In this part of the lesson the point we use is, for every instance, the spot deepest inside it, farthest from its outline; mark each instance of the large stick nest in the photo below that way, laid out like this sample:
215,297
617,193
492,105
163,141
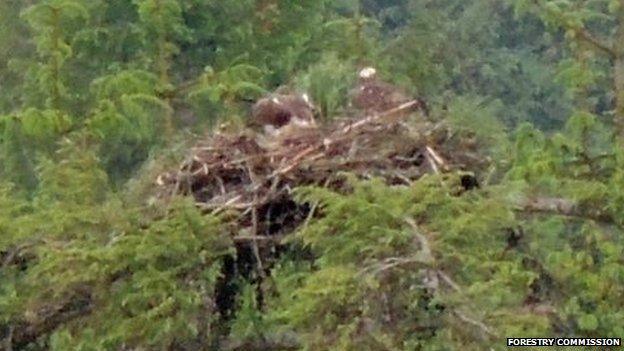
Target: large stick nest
251,177
254,175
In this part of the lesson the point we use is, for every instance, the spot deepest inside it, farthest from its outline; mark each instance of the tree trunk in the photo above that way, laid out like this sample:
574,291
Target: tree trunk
618,74
618,87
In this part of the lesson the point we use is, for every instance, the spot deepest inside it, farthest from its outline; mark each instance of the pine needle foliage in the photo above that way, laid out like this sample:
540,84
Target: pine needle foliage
94,95
136,285
380,252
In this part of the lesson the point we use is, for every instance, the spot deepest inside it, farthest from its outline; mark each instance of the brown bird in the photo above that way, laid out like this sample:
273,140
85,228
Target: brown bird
373,95
276,111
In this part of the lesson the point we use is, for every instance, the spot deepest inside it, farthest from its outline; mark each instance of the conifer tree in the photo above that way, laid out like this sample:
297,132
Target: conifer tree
596,33
53,24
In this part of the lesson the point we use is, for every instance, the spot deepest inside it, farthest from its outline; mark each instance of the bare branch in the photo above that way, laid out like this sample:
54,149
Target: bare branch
448,281
258,238
562,207
475,323
425,248
254,220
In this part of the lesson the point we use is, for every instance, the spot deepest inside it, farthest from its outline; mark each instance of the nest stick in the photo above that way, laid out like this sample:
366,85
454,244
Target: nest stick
254,241
432,163
437,158
254,222
224,206
343,132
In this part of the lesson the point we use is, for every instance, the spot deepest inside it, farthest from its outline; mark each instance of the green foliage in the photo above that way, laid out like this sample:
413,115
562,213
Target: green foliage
328,83
476,48
476,118
128,119
593,32
162,22
16,161
166,298
217,93
13,44
576,254
54,22
249,324
94,98
144,286
377,247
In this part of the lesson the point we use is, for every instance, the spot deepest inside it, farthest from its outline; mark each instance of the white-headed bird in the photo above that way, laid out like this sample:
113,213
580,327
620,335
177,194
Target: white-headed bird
373,95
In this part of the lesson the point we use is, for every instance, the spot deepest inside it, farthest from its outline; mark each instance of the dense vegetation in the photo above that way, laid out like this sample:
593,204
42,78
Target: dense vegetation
98,96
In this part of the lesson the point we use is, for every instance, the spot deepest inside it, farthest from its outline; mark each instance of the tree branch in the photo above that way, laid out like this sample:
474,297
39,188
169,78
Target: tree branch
562,207
74,307
583,34
481,326
601,45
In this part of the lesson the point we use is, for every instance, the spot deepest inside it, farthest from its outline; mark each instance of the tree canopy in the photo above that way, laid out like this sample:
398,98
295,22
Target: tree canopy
98,98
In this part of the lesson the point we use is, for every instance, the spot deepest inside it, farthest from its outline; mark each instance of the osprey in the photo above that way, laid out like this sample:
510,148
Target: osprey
373,95
280,110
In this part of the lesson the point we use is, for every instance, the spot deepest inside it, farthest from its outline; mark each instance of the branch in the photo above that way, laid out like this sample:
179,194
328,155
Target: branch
391,263
601,45
273,239
25,333
562,207
254,220
484,328
427,260
583,34
12,254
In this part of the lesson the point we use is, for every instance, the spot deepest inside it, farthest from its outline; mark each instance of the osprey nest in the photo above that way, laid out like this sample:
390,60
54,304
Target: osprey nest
253,175
249,179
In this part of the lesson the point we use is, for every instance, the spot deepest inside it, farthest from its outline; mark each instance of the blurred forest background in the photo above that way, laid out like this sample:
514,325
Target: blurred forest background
98,96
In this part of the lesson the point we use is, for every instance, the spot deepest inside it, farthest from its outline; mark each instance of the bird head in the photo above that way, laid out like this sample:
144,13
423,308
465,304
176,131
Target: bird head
367,73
